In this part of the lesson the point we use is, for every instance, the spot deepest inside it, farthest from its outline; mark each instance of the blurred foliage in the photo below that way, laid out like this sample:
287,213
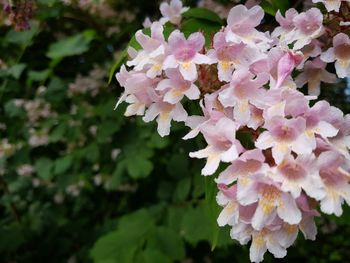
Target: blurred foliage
81,183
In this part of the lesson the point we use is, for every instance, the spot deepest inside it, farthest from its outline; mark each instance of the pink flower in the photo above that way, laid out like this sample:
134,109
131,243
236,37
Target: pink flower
166,112
222,145
285,66
340,52
286,23
229,56
313,73
242,91
139,91
283,136
308,26
301,173
153,51
172,12
241,23
185,54
175,87
336,181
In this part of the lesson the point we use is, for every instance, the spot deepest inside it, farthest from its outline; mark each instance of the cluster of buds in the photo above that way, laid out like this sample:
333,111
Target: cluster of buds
300,157
19,13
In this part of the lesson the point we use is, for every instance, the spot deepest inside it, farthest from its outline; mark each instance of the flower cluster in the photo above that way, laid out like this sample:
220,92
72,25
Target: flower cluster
300,157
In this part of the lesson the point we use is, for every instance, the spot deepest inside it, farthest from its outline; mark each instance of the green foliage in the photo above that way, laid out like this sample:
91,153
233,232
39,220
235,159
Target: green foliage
202,13
272,6
71,46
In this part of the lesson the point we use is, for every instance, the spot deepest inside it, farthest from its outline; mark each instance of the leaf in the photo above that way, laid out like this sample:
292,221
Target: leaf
212,209
272,6
43,168
139,167
207,27
58,133
23,38
138,164
153,255
12,110
196,225
38,75
120,246
121,59
182,189
16,70
158,142
168,242
63,164
71,46
202,13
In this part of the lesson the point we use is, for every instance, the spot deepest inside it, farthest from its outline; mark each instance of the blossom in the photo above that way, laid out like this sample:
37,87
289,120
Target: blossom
241,23
228,56
185,54
242,91
172,12
283,136
336,181
153,51
340,52
165,112
313,74
175,87
222,145
308,26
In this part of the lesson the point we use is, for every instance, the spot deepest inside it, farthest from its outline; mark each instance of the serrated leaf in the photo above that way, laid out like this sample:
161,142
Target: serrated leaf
203,13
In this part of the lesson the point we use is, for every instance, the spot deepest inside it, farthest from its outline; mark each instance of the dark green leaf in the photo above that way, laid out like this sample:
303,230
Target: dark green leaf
202,13
71,46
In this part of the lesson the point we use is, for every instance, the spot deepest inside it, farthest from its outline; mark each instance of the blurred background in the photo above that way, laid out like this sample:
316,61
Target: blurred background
79,182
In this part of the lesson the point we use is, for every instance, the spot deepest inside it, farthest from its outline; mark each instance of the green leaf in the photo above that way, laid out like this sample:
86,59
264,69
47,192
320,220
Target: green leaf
58,133
207,27
138,164
139,167
121,59
281,5
168,242
16,70
23,38
120,246
158,142
71,46
152,256
43,168
38,75
182,189
196,225
12,110
63,164
202,13
272,6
